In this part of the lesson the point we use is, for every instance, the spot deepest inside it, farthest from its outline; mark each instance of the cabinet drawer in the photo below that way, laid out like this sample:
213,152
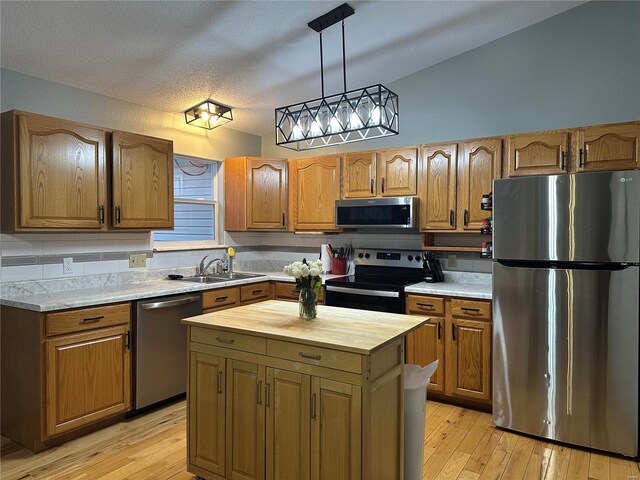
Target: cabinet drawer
220,297
322,357
419,304
235,341
470,309
87,319
285,291
254,291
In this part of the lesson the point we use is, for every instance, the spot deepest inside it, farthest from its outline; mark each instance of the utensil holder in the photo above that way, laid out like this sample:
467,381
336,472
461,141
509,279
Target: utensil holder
338,266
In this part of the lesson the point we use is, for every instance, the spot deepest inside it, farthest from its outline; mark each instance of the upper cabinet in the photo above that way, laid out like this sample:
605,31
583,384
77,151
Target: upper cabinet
54,177
386,173
255,191
480,163
142,179
545,153
315,187
53,174
610,147
438,180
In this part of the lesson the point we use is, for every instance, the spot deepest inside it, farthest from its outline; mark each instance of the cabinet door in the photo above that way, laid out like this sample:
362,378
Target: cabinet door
142,182
426,345
359,175
438,187
88,378
480,165
397,172
266,193
537,154
316,188
207,412
614,147
245,420
335,430
62,174
469,358
287,397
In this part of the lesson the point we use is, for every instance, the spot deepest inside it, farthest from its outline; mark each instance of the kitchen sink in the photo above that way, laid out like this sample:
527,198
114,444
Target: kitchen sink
206,279
236,276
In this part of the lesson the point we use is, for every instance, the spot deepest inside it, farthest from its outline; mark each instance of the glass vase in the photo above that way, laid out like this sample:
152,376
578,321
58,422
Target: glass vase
308,304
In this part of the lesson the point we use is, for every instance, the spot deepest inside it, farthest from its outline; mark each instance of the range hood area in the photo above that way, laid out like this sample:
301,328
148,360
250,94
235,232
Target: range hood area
388,213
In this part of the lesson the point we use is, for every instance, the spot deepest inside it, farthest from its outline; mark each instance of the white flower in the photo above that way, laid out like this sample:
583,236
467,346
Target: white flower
304,270
314,270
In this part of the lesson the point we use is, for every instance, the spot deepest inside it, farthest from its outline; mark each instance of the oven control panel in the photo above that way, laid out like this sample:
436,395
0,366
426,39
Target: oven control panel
388,258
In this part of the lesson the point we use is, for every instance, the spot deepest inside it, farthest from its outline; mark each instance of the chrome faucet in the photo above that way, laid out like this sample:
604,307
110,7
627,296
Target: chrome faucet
203,268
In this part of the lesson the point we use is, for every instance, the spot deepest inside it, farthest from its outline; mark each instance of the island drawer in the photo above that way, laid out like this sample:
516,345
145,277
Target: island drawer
470,309
220,297
322,357
87,319
235,341
418,304
254,291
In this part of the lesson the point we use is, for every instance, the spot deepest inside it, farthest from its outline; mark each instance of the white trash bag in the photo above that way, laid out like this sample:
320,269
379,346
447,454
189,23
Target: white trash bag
416,379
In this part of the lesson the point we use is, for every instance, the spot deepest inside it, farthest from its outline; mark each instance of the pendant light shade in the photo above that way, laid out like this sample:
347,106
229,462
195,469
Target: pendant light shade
351,116
208,114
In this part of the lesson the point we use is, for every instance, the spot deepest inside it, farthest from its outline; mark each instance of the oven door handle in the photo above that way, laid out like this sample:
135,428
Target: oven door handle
367,293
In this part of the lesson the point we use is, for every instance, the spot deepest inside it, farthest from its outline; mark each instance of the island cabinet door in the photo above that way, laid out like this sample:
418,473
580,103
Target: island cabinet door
245,420
287,404
207,412
336,442
426,345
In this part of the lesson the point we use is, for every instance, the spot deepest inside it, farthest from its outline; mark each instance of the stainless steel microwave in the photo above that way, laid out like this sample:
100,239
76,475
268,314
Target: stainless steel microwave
392,212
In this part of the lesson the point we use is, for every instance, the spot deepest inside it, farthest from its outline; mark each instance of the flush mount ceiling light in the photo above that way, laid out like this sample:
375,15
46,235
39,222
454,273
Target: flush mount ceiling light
351,116
208,114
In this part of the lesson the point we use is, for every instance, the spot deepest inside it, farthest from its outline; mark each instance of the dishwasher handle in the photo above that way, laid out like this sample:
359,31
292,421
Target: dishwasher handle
170,303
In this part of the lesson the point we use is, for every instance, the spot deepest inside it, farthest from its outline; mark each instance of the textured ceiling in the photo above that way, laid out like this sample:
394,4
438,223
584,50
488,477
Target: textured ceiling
254,56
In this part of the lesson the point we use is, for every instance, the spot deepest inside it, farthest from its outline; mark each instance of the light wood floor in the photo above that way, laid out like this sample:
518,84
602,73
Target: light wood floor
460,444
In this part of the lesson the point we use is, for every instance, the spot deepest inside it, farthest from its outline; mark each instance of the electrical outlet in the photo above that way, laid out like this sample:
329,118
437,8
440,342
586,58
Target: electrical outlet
137,260
67,265
452,261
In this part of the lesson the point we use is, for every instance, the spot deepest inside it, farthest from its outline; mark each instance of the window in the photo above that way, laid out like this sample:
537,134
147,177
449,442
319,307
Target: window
196,206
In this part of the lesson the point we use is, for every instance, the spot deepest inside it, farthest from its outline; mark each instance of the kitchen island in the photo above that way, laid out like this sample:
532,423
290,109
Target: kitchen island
272,396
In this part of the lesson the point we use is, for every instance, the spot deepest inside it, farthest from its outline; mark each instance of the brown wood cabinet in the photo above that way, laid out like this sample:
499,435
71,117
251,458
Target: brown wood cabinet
64,373
255,193
286,291
543,153
438,192
606,147
459,336
142,182
315,187
53,174
359,175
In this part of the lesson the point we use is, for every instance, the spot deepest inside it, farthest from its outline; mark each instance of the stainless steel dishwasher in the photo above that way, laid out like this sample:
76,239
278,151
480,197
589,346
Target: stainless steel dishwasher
160,347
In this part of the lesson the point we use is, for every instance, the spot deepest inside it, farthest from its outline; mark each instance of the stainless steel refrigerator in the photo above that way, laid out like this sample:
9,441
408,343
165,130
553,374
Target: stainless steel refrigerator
566,278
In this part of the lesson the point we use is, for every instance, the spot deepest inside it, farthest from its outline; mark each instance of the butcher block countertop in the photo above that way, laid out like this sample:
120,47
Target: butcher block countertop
358,331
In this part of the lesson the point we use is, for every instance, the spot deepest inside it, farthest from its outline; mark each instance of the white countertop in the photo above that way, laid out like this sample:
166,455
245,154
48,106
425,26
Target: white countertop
61,300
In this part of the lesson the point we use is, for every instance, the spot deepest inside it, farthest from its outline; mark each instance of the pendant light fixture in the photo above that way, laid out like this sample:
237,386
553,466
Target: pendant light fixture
350,116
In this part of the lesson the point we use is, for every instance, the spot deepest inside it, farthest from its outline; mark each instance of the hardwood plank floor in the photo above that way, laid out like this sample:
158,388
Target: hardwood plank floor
460,444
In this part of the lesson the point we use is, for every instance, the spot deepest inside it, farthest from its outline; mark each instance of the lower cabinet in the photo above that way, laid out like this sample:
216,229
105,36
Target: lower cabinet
459,336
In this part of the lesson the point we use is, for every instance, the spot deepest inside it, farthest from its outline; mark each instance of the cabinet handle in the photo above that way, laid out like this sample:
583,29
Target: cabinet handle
256,292
310,356
371,187
428,305
127,340
451,217
259,392
313,405
383,185
283,219
219,381
101,213
466,309
466,217
117,214
221,299
453,332
92,319
562,162
439,330
583,154
267,394
226,340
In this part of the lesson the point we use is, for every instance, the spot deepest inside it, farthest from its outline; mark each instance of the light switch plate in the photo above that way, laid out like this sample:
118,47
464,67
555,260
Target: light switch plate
137,260
67,265
452,261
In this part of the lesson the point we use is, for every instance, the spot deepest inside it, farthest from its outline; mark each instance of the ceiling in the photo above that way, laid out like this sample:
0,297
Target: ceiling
253,56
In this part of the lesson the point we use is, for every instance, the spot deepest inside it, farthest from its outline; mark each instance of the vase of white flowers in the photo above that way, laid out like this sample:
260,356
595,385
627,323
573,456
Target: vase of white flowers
308,283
